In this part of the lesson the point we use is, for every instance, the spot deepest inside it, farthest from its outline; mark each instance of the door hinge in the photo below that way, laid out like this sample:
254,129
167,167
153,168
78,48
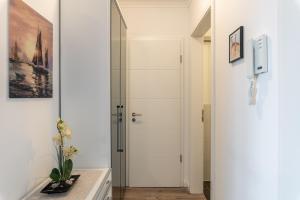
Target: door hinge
181,59
202,115
181,158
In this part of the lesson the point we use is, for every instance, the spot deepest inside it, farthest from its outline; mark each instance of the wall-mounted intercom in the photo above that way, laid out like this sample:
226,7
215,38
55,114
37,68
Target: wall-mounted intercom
260,55
260,64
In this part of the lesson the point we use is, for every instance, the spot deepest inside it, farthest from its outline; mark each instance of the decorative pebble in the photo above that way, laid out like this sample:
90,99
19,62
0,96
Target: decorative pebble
70,182
54,185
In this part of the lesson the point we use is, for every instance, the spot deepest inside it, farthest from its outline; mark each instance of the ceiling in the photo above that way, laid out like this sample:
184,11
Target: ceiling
154,2
149,1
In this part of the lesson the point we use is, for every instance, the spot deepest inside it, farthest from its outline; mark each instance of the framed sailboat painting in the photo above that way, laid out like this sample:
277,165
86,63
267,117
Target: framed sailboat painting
30,52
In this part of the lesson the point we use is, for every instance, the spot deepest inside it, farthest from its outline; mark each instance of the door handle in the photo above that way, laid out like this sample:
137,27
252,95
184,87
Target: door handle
119,148
136,115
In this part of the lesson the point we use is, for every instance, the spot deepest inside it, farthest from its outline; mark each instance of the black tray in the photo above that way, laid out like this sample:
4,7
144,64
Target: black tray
61,188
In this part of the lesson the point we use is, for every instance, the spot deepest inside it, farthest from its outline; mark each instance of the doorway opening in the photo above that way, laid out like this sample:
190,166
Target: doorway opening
201,70
206,113
167,146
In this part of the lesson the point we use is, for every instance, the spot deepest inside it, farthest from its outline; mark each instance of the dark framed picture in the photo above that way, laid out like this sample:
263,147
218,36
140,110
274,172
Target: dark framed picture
30,52
236,45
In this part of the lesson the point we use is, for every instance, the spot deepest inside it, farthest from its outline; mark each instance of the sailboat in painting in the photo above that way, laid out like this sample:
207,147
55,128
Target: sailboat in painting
37,60
38,55
14,53
46,59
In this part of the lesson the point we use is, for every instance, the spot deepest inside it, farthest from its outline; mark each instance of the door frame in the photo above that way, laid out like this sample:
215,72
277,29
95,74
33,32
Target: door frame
183,103
211,8
213,101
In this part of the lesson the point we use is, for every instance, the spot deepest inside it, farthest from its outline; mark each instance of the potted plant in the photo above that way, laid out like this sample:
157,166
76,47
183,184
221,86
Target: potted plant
61,176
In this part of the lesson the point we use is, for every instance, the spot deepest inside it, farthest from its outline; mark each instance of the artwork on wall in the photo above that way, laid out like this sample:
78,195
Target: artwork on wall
236,45
30,53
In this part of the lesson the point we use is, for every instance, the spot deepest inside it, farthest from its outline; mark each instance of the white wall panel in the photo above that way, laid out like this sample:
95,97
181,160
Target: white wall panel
86,78
247,137
27,125
289,99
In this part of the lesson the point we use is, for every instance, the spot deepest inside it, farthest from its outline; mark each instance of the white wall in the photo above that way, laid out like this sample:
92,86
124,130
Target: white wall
161,19
151,21
197,10
198,96
86,78
289,99
27,125
246,137
246,140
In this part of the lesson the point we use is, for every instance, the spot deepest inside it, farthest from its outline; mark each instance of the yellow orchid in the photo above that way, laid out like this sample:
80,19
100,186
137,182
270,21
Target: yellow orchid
69,152
63,129
60,125
67,133
64,154
57,139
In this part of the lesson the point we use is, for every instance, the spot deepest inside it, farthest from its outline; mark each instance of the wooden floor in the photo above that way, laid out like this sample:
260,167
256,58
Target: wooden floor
160,194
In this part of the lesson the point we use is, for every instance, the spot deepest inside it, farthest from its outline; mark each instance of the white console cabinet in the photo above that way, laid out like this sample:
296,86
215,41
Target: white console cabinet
92,185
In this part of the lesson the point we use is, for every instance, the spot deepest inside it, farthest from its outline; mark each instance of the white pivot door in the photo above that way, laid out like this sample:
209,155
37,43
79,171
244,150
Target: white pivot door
154,113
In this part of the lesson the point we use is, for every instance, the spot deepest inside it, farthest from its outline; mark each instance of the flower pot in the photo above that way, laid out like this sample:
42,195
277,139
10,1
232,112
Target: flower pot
61,187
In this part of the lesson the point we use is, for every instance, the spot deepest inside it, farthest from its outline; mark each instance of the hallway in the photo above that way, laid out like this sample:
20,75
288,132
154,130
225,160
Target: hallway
149,100
160,194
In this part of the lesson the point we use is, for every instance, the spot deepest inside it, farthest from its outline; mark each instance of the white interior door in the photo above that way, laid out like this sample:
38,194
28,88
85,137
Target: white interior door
155,96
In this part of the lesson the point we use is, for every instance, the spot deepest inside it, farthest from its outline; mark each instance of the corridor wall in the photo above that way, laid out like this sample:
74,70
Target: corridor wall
26,125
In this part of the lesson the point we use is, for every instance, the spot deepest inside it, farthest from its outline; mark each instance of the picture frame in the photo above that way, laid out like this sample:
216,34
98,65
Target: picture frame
236,45
30,52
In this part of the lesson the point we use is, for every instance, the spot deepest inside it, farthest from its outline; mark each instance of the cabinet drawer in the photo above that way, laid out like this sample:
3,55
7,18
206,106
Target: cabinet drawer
102,193
108,195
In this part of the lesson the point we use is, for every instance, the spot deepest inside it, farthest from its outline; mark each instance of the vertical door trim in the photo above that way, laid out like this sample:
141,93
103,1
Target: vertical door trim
182,110
213,102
